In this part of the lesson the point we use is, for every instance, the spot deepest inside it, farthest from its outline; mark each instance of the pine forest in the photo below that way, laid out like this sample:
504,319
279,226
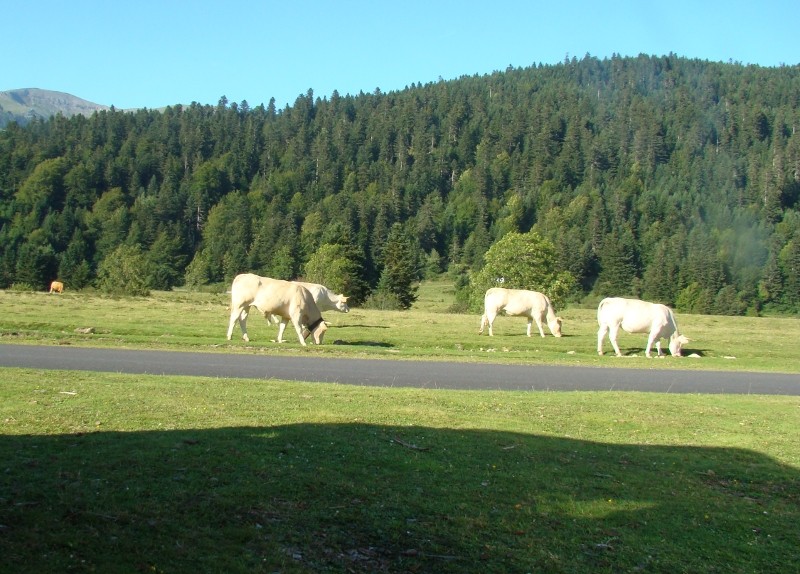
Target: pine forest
664,178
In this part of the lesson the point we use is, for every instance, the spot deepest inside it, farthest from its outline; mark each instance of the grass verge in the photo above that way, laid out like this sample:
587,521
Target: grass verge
199,321
116,473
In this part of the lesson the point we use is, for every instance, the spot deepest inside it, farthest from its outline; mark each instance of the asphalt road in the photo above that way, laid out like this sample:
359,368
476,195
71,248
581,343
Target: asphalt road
388,373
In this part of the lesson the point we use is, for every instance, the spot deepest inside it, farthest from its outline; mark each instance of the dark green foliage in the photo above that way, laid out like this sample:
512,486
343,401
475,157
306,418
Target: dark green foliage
669,178
400,270
125,271
522,261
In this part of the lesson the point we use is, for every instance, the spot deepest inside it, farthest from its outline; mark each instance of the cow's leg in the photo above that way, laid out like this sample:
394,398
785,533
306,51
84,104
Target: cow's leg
601,334
651,338
299,330
538,324
281,329
490,316
658,348
484,321
613,332
243,324
239,315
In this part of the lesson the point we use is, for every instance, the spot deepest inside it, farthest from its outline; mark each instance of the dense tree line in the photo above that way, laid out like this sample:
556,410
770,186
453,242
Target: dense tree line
672,179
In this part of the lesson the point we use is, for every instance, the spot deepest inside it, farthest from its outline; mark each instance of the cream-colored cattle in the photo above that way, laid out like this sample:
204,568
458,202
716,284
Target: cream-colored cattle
519,302
284,299
56,287
325,299
635,316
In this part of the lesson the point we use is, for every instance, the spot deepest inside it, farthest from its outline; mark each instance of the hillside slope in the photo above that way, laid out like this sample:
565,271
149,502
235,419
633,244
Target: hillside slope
27,104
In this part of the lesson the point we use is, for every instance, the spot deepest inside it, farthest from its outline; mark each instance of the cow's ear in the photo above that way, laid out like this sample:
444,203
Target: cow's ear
344,299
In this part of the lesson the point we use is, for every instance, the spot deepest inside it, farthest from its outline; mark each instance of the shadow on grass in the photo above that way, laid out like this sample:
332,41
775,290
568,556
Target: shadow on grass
639,351
382,344
367,498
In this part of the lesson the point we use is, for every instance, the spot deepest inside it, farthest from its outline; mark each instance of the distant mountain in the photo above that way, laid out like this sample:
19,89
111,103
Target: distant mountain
28,104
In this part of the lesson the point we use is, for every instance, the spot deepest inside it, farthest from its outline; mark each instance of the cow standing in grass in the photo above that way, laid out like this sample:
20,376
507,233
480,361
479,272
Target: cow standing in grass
325,299
56,287
635,316
284,299
519,302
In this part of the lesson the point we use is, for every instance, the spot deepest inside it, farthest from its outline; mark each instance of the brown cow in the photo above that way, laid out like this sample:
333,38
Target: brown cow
56,287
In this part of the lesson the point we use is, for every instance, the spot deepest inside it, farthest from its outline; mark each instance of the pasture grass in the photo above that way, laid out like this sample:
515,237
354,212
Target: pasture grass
113,473
182,320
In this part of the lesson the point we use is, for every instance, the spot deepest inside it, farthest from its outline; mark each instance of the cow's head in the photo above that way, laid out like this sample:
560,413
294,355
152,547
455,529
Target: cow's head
341,304
676,343
555,326
317,331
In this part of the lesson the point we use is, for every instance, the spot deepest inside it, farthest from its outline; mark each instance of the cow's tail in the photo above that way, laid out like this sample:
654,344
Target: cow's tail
600,310
484,322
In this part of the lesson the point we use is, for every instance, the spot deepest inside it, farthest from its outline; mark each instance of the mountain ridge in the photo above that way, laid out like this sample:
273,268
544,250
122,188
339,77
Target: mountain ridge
24,105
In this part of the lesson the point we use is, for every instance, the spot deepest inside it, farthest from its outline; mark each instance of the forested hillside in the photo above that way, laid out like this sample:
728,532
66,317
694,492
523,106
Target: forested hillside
672,179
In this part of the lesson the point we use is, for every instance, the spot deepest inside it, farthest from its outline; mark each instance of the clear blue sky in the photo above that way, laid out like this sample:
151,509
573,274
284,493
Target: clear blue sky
152,53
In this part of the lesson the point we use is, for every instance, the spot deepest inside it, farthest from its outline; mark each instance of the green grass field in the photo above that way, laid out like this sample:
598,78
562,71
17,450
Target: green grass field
112,473
199,321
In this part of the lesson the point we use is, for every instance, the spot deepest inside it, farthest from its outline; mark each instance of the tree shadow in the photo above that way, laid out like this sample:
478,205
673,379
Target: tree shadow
371,498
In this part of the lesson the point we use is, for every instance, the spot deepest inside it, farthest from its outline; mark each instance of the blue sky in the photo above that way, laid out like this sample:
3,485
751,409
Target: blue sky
152,53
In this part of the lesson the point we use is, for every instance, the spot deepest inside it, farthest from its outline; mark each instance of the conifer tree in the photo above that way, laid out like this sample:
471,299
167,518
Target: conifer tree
400,271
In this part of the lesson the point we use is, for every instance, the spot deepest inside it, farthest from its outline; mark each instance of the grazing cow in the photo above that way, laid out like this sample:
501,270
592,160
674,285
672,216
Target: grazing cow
284,299
519,302
56,287
325,299
636,316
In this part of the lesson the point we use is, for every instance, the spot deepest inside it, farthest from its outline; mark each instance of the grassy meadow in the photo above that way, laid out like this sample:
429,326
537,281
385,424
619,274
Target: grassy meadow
182,320
113,473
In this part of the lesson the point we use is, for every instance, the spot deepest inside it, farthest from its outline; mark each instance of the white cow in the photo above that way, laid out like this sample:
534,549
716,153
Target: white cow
284,299
325,299
635,316
519,302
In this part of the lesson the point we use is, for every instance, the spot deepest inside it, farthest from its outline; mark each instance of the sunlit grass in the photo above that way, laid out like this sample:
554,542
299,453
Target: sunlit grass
199,321
119,473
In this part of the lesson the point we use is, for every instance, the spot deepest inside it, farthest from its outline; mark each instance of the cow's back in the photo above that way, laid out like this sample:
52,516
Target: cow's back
277,296
244,289
523,302
495,299
323,297
633,315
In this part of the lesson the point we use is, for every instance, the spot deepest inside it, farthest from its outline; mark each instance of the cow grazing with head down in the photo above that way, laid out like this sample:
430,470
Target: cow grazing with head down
325,299
519,302
635,316
284,299
56,287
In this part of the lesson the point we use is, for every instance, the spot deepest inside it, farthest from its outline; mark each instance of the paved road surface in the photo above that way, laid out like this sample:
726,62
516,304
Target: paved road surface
388,373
